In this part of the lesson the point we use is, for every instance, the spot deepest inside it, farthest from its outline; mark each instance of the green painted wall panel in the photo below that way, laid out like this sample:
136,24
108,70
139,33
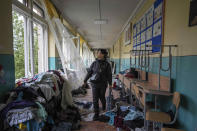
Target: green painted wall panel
184,71
54,63
7,74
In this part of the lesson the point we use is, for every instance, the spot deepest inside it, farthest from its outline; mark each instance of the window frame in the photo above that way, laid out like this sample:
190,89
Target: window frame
38,7
23,2
127,35
29,17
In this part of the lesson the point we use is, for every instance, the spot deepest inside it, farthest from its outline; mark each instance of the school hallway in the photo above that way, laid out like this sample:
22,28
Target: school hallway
60,58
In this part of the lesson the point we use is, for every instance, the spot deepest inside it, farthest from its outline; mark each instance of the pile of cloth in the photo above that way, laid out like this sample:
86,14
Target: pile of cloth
116,84
85,108
43,102
130,73
84,104
125,117
81,90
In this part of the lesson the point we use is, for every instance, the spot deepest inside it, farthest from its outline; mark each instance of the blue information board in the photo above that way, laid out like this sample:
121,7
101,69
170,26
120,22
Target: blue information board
148,29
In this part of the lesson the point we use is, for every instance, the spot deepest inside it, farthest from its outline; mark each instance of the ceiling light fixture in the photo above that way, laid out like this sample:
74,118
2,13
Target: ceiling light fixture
100,21
99,8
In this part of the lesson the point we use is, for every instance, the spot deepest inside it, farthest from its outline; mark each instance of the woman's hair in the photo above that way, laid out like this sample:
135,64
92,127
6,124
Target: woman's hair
104,52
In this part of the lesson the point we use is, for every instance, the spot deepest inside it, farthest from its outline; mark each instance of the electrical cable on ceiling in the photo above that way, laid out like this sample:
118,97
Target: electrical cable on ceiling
100,19
100,9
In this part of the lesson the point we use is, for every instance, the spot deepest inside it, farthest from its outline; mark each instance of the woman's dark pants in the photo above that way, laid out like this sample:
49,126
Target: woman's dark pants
98,92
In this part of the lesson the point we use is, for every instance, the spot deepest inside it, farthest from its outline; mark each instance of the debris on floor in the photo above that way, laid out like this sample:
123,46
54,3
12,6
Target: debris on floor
47,102
121,115
96,126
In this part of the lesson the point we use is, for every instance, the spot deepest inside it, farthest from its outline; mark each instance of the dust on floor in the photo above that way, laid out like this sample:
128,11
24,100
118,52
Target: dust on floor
95,125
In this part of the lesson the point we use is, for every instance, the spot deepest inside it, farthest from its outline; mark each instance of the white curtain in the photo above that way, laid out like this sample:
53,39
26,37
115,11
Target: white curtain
76,70
72,63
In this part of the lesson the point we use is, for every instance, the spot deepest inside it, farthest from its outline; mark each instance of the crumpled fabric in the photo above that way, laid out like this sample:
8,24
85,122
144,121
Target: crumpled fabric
89,117
34,125
56,87
66,95
39,77
79,91
51,79
40,99
41,113
103,118
111,115
50,120
20,96
23,81
71,114
133,124
118,122
12,97
124,108
84,104
17,116
29,93
140,129
16,105
47,91
58,74
63,126
54,103
132,115
73,79
2,106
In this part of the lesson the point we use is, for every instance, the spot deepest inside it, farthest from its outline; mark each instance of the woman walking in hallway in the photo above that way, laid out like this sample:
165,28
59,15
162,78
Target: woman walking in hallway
100,75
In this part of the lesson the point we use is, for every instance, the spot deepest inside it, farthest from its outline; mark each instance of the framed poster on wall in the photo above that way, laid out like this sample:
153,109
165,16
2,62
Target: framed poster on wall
148,30
127,35
193,13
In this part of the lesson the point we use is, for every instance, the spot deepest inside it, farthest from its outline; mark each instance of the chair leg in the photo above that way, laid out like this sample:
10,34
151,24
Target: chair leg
147,126
153,126
156,126
161,126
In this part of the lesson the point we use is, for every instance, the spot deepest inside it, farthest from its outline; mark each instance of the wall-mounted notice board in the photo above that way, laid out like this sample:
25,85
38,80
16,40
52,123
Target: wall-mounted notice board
148,30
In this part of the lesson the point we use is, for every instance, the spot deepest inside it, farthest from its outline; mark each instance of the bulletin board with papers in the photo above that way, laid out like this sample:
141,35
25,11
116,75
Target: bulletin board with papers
148,30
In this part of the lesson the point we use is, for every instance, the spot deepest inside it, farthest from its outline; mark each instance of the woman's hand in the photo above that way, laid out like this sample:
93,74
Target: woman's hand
85,84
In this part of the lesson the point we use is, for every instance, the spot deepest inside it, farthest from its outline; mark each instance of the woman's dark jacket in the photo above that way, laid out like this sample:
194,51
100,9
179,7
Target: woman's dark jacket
106,71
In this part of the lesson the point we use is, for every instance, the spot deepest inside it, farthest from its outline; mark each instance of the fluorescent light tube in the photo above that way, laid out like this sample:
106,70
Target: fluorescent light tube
100,21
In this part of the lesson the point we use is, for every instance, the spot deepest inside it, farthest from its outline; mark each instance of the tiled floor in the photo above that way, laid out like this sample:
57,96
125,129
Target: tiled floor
95,125
88,96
